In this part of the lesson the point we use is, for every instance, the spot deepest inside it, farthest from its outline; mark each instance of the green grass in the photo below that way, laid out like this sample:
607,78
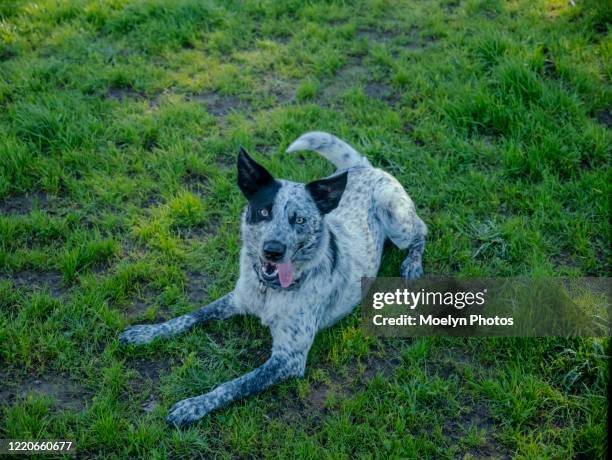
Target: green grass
119,125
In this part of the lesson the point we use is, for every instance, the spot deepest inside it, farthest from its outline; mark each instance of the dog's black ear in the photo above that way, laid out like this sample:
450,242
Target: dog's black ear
327,192
252,176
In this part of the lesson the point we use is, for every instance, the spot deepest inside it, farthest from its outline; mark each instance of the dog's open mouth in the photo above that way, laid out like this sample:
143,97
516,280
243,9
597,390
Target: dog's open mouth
271,272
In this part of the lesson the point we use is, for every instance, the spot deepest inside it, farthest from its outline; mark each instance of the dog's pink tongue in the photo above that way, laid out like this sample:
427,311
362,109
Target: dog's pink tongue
285,274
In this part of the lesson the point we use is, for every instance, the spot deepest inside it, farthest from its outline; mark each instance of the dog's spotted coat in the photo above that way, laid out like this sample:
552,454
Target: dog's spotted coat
325,236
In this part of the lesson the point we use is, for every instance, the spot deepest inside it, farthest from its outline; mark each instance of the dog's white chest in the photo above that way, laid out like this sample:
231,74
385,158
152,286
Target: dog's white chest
272,310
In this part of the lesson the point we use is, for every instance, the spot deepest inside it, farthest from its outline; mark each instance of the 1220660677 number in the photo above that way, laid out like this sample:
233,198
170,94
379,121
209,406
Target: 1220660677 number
24,446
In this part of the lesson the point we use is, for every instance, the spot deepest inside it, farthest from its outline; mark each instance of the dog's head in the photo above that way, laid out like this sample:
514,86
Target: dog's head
283,228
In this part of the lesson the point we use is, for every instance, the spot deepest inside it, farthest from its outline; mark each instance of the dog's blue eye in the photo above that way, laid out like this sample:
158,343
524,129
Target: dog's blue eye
264,212
300,220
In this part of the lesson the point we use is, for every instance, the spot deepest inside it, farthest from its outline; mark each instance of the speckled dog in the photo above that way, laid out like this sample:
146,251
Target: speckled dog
305,249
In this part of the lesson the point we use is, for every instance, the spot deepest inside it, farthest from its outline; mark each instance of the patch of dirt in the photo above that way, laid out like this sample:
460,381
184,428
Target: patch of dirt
132,249
137,308
375,365
605,118
564,259
549,67
149,370
429,40
412,39
143,302
4,388
451,6
307,410
265,149
376,35
221,105
342,386
355,74
491,450
197,287
282,91
282,39
409,129
200,231
150,404
128,93
187,45
452,364
151,200
351,74
23,204
225,161
195,182
121,94
149,373
476,416
7,54
473,414
191,231
38,281
65,393
443,370
381,91
317,397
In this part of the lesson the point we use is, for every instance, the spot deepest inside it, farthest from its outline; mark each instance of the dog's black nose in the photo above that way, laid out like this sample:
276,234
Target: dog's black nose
274,250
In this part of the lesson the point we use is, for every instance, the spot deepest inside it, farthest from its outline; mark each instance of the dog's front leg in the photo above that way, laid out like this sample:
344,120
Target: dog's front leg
144,333
289,352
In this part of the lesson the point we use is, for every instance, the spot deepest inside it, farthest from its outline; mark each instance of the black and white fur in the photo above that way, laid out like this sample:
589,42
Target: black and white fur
319,240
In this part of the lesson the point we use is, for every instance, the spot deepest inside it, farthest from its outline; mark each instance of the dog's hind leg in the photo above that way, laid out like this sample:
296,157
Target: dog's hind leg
144,333
412,266
402,226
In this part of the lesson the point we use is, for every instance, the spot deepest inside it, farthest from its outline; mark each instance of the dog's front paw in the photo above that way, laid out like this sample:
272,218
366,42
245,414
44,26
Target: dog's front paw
411,269
188,411
140,334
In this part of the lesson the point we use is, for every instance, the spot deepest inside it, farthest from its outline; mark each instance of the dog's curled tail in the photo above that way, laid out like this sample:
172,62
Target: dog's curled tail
330,147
